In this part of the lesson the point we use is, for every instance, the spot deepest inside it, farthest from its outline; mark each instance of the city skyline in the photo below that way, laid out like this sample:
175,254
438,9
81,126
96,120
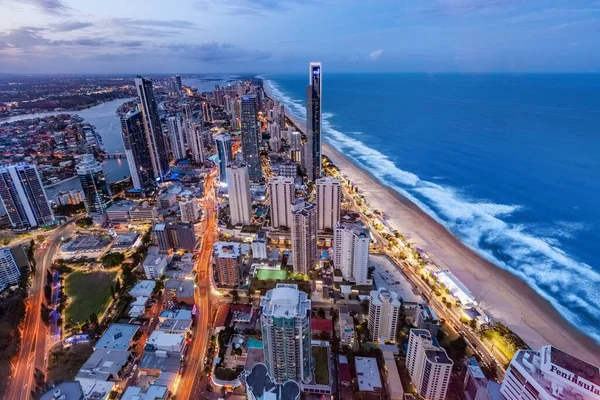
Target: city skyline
70,36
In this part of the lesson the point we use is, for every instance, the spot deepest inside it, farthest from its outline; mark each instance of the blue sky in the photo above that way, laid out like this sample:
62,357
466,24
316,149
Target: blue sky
262,36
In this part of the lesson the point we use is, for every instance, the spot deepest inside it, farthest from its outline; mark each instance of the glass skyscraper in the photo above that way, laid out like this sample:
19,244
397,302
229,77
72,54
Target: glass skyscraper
225,154
158,149
24,197
137,150
312,162
250,138
95,187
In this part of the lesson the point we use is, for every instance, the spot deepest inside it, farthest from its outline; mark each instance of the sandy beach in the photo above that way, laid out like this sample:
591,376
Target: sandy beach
504,296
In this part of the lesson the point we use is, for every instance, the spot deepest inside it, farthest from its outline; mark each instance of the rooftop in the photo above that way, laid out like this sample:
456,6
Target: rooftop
175,324
70,389
367,374
152,361
155,259
153,392
181,288
226,249
104,364
285,301
143,288
572,364
381,294
122,206
117,337
161,340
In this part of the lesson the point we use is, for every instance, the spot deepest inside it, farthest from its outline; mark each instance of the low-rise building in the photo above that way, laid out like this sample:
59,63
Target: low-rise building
143,288
426,318
367,374
392,377
117,337
104,365
172,343
171,325
346,327
181,290
68,390
154,265
152,392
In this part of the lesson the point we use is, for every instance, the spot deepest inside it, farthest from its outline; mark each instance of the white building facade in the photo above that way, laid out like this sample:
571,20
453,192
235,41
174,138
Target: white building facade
428,365
282,193
384,313
240,200
351,251
329,200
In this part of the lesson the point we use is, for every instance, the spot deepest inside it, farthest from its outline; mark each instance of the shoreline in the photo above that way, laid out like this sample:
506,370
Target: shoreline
503,295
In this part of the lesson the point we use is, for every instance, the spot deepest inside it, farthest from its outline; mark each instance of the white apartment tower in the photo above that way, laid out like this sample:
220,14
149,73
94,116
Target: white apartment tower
285,321
189,208
304,237
282,193
428,365
176,137
240,200
351,251
329,199
384,312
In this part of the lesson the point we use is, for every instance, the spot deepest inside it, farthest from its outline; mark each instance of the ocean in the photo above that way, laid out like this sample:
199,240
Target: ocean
507,163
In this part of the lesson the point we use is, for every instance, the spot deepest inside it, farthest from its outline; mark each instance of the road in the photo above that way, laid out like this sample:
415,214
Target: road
452,315
190,383
32,353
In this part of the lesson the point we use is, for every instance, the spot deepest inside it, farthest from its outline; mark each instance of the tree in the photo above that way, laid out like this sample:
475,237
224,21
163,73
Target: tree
321,313
112,291
84,222
40,238
473,324
117,286
235,296
111,260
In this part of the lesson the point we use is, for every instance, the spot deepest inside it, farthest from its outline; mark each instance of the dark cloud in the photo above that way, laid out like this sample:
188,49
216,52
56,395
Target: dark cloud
49,6
215,52
24,37
70,26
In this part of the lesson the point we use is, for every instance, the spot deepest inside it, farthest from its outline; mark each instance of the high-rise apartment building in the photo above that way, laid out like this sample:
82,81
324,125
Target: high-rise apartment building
176,137
225,154
196,143
152,126
550,373
384,313
24,197
228,263
250,137
329,201
312,162
428,365
175,235
286,333
304,237
9,269
98,196
189,208
282,194
240,200
351,251
137,150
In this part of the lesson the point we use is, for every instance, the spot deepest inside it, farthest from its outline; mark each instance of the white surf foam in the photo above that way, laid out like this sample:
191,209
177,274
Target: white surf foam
535,257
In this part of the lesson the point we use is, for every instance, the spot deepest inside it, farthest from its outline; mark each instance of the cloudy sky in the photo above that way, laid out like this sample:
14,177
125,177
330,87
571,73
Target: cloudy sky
258,36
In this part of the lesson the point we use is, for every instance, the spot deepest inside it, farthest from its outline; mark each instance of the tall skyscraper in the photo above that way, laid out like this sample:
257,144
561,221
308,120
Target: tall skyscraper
282,194
225,154
548,374
9,270
95,187
250,137
137,150
313,122
196,142
24,197
428,366
384,312
329,201
154,134
286,333
176,137
240,200
351,251
304,236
